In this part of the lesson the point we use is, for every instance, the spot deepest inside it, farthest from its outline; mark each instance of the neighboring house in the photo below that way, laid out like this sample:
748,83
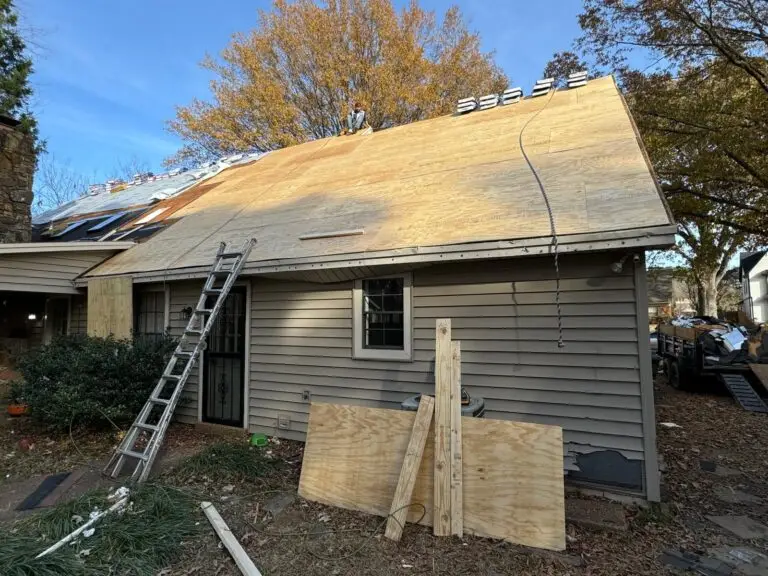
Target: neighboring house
667,295
364,242
38,298
753,274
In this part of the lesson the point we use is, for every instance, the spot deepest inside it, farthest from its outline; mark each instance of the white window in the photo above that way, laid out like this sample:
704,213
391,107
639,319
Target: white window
382,318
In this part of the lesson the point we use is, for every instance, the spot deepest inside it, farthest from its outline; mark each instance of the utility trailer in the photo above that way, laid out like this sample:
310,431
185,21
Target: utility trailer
686,361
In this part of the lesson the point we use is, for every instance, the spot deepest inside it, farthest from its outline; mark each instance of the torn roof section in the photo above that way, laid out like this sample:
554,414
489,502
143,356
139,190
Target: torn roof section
116,211
451,181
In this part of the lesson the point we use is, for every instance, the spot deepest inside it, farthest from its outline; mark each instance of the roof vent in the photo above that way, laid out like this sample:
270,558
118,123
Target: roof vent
466,105
489,101
511,95
542,87
577,79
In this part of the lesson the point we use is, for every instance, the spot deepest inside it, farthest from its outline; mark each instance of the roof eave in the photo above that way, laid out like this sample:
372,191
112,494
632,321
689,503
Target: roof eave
48,247
658,237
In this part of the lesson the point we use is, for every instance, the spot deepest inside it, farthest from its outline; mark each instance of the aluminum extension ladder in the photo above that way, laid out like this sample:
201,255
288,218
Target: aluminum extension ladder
148,430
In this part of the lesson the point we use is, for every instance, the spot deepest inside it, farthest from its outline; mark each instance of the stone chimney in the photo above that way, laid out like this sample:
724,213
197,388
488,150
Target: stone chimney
17,167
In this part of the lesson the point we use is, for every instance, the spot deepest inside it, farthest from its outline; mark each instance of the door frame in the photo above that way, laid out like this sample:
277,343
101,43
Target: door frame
246,359
48,322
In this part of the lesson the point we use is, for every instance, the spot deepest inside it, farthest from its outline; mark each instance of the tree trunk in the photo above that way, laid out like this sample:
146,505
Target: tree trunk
707,290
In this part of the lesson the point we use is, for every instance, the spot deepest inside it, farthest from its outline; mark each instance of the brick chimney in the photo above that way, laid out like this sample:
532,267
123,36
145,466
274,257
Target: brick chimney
17,168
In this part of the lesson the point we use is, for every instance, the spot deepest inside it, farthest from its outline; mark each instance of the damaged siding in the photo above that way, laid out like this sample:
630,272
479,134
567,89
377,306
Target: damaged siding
504,315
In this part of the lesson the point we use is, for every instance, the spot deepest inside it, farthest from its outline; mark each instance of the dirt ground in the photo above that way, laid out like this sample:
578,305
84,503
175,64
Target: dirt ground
286,535
307,538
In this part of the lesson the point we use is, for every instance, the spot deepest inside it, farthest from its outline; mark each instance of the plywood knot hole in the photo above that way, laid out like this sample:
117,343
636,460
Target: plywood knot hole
439,466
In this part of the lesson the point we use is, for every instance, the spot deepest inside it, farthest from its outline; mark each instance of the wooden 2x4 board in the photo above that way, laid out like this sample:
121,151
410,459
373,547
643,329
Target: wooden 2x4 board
512,471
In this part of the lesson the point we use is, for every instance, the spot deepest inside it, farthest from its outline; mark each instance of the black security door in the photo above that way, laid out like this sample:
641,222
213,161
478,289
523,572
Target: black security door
224,363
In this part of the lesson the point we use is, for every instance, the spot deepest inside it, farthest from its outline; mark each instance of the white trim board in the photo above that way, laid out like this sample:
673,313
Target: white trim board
48,247
644,238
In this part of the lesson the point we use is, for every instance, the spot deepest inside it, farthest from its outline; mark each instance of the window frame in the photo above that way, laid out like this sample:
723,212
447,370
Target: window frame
165,310
362,353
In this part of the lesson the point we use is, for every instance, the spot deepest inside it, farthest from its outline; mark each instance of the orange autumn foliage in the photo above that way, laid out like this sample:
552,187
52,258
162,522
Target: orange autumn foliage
293,78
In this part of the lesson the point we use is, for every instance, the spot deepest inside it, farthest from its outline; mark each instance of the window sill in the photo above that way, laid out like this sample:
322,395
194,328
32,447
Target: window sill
383,355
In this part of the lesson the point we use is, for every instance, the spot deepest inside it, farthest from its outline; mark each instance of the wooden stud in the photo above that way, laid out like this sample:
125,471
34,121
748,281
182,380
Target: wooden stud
241,558
443,463
408,473
457,504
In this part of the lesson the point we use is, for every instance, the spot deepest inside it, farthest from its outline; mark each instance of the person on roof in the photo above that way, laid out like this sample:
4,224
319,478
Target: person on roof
355,119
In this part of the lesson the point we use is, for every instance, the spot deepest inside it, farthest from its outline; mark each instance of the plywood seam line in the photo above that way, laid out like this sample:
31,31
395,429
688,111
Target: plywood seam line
236,214
560,343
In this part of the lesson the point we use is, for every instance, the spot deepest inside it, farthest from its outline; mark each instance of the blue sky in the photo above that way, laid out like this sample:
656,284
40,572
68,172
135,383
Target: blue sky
109,72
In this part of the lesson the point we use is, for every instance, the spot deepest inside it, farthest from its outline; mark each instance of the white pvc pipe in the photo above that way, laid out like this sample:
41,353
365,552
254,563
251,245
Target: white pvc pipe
76,533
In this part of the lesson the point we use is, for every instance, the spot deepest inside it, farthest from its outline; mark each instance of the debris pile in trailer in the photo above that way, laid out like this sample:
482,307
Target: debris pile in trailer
461,475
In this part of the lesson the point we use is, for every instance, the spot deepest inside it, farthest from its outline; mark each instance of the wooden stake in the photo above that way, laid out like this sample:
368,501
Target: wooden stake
399,510
443,462
241,558
457,503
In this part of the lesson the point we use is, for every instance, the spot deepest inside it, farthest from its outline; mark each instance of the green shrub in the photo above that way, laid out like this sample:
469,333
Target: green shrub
87,381
16,392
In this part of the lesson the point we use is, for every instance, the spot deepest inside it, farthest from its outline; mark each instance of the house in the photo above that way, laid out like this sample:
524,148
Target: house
667,294
753,274
38,299
364,241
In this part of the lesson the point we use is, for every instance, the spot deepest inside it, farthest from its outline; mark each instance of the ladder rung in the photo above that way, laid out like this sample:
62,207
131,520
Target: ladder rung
160,401
230,255
213,291
133,454
193,332
144,426
183,354
203,311
171,377
221,273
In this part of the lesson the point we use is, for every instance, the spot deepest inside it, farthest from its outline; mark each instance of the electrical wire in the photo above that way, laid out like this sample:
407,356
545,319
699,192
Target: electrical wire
553,231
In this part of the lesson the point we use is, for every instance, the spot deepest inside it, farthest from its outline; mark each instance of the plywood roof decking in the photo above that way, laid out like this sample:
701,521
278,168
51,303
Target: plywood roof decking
449,180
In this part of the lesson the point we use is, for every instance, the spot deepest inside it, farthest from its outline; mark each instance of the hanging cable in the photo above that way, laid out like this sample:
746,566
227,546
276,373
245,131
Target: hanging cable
553,231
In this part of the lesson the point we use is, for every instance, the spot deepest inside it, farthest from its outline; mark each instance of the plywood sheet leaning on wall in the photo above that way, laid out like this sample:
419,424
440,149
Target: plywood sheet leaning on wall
512,471
110,307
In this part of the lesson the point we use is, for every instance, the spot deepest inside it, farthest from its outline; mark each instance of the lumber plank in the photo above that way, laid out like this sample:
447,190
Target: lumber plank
443,460
512,471
241,558
457,504
411,463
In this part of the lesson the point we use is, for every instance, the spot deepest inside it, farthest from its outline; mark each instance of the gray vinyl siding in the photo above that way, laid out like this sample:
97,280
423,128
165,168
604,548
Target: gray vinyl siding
184,294
503,313
51,273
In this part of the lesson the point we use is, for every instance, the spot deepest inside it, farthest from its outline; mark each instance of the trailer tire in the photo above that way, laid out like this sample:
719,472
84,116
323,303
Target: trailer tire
673,374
